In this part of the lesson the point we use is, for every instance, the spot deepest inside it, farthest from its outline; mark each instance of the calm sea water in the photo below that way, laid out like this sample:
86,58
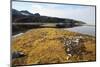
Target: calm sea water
90,30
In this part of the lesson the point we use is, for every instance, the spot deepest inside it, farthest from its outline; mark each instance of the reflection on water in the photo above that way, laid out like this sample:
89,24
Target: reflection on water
90,30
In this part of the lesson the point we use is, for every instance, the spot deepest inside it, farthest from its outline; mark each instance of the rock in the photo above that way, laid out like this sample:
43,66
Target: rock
74,46
17,54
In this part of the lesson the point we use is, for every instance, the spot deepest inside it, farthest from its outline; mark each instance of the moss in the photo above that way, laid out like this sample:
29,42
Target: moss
46,45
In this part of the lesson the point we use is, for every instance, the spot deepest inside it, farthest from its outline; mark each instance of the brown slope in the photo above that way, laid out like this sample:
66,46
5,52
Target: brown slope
46,45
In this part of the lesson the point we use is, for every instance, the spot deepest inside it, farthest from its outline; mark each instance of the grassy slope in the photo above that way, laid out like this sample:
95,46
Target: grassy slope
44,46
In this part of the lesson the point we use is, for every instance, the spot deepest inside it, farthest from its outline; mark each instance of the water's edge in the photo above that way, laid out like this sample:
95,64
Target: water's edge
88,30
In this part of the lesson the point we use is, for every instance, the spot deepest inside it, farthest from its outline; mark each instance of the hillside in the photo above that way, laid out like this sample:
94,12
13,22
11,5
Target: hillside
52,45
25,16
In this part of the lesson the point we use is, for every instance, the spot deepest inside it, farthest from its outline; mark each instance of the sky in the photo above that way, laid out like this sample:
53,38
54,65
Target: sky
77,12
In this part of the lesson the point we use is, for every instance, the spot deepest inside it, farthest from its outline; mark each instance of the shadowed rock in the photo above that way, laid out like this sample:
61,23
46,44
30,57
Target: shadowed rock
17,54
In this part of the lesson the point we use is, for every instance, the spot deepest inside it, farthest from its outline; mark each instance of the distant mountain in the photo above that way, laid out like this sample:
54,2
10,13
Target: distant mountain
16,12
23,16
36,14
27,17
25,12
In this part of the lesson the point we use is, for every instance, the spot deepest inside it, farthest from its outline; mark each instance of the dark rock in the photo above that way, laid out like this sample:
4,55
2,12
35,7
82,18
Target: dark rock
17,54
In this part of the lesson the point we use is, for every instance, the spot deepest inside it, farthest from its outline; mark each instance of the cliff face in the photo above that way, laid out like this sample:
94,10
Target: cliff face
51,45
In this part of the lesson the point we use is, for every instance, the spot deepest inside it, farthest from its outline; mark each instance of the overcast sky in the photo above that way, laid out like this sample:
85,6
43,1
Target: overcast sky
82,13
